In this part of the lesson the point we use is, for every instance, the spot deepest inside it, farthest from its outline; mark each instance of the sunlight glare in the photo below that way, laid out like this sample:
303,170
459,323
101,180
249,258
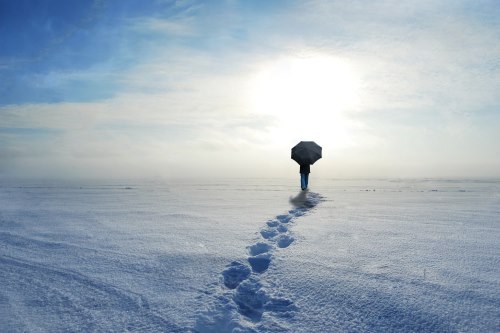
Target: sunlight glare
308,97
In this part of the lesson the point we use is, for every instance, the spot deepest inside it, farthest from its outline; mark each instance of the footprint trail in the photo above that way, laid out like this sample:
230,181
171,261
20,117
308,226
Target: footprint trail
246,295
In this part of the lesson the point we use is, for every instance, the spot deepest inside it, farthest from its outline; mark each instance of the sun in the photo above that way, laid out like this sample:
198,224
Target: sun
308,97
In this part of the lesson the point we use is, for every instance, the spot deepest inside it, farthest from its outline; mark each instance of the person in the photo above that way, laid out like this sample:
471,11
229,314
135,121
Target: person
305,170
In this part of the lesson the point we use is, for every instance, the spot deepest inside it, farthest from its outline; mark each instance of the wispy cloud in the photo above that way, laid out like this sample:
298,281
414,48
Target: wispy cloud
183,27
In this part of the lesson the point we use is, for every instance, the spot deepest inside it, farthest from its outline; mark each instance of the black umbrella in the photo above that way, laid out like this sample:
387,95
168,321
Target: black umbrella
306,152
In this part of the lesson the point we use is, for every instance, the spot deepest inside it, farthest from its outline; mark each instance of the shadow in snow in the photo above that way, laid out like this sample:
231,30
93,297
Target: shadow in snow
301,200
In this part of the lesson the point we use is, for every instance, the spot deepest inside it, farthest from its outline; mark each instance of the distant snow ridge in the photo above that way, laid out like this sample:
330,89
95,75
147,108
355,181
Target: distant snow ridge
246,301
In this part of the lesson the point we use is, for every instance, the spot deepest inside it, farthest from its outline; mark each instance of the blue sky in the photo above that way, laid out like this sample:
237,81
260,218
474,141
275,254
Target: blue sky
226,88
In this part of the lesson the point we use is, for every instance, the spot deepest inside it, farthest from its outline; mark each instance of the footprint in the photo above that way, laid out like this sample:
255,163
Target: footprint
282,228
250,299
282,306
285,241
268,233
235,273
260,263
297,212
284,218
272,223
259,248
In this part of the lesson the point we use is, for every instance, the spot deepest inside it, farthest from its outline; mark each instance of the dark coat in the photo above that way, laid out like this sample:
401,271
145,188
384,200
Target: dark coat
305,168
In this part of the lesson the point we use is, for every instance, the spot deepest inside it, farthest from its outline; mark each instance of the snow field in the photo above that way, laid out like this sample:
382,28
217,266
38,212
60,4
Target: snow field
248,256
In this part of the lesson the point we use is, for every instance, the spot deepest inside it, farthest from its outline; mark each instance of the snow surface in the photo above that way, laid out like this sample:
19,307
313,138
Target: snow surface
250,256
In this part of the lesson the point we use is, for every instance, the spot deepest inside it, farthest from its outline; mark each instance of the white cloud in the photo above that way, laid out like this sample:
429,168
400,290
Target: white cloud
176,129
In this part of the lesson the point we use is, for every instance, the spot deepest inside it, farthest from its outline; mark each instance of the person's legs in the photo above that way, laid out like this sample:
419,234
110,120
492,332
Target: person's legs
307,180
303,183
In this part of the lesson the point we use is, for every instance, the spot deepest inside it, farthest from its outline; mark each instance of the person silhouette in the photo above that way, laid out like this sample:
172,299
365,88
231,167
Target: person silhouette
305,170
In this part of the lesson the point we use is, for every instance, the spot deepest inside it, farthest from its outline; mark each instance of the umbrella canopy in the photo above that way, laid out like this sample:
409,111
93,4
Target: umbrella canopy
306,152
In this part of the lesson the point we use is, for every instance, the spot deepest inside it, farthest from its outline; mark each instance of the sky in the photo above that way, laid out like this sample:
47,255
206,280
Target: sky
168,89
